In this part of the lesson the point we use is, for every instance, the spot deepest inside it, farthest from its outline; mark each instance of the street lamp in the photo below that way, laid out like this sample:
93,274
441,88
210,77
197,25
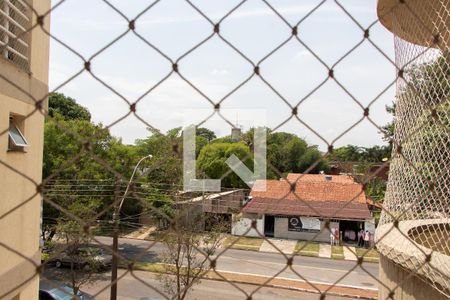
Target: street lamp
115,246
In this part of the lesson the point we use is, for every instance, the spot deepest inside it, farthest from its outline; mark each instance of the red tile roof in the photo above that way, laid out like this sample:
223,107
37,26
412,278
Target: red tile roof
309,190
323,209
311,195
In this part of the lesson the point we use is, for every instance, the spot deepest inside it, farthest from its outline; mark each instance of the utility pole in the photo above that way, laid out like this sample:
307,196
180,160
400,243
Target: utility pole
115,245
116,219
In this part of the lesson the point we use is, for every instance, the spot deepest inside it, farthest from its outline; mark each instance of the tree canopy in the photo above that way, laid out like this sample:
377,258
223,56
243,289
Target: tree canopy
211,161
67,107
352,153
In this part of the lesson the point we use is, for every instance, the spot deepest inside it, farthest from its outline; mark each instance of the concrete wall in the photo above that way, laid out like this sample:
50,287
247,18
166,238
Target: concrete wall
225,204
242,223
412,288
20,228
281,231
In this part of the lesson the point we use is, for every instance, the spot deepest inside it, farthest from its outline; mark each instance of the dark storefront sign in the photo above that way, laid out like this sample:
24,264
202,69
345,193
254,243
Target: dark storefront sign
303,224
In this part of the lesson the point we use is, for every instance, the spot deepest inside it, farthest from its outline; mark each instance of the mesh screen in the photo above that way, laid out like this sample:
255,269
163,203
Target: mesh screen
413,231
417,198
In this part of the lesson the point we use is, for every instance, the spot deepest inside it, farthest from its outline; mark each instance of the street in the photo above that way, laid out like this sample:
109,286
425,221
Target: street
137,286
317,270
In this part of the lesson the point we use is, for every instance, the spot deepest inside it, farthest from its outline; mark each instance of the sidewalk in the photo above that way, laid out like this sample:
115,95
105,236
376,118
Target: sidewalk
349,253
140,234
285,246
295,284
324,250
280,282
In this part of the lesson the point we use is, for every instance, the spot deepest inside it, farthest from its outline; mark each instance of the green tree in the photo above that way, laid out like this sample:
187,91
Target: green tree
211,161
347,153
206,133
388,129
289,153
422,119
65,140
352,153
66,107
224,139
160,205
376,153
313,156
74,246
75,150
183,265
165,167
66,158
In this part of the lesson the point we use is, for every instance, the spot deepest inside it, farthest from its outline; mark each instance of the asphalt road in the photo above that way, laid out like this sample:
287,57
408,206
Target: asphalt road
137,287
318,270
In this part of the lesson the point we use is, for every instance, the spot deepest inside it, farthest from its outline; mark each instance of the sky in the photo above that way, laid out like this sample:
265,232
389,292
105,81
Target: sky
131,67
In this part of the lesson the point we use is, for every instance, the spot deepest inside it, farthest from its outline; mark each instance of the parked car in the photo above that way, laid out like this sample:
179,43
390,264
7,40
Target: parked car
54,290
83,256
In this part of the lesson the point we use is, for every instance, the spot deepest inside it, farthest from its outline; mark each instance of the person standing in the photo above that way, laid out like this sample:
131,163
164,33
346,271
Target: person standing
361,238
332,235
366,239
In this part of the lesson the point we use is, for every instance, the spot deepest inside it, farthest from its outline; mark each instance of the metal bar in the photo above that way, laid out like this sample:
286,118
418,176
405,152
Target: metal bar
14,51
14,22
23,3
8,2
11,34
6,23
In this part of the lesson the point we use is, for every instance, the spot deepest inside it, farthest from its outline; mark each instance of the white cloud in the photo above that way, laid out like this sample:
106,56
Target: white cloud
301,56
294,73
219,72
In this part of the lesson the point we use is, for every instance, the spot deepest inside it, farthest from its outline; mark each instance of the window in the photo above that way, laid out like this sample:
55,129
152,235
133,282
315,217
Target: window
45,296
14,39
17,141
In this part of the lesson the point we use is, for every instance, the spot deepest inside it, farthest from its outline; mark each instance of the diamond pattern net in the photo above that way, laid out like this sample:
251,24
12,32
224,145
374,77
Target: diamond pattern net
414,228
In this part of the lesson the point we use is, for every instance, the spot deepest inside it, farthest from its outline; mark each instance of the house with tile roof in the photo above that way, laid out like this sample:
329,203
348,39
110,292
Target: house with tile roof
299,207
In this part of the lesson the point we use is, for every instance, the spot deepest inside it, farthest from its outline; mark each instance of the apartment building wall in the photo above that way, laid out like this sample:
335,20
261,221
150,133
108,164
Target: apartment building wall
21,171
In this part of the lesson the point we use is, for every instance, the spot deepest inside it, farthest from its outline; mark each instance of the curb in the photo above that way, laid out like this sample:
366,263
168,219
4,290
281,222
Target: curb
288,284
295,284
296,254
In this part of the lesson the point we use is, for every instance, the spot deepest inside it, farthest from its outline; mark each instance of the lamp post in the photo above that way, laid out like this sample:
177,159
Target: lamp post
115,246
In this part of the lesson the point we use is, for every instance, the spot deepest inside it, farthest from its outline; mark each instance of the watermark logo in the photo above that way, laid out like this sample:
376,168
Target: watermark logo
190,181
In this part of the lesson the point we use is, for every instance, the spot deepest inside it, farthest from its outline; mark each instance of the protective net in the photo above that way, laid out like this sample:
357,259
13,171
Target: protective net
417,197
164,252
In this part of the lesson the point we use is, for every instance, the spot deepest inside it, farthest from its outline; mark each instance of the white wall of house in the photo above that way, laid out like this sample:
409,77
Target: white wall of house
281,231
369,225
242,223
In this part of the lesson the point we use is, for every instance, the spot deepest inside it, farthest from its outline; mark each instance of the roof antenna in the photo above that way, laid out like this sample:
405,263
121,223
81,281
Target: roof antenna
236,131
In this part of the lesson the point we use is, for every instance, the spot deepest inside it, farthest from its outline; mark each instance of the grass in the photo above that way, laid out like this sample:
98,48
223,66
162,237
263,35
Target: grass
44,257
307,248
155,267
371,256
337,252
243,243
159,268
146,266
156,235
